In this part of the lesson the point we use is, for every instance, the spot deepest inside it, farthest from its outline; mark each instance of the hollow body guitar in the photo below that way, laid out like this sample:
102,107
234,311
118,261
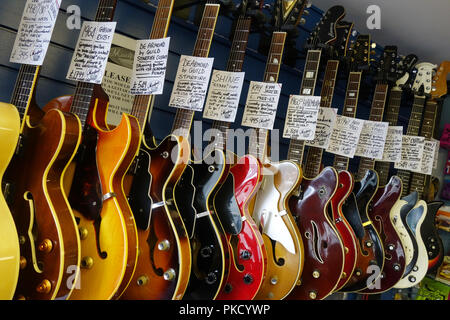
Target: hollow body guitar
107,227
163,266
380,211
248,258
194,194
49,241
9,248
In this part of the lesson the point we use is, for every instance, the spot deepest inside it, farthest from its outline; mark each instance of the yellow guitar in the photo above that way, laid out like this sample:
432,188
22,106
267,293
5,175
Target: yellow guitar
9,240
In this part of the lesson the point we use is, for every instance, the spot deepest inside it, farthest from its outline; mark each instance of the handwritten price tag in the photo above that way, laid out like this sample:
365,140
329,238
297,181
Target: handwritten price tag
261,106
91,52
326,120
301,117
372,140
412,152
35,31
345,136
223,95
191,83
149,68
393,146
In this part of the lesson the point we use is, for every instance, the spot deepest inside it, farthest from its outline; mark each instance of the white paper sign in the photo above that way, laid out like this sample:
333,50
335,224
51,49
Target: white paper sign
191,83
429,151
345,136
261,106
326,120
301,117
436,153
91,52
372,140
149,67
393,146
223,95
35,31
412,151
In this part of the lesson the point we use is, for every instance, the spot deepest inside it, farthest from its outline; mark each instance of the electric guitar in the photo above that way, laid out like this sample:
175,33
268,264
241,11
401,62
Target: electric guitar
194,192
380,209
269,210
9,248
32,185
314,156
109,242
245,243
310,200
164,261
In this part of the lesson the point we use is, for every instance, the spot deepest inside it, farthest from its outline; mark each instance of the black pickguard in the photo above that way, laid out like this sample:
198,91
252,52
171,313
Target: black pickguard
207,250
430,236
227,207
411,221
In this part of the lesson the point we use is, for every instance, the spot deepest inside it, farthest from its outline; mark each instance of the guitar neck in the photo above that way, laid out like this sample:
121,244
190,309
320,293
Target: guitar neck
235,64
314,155
183,117
142,105
297,147
84,91
376,114
420,182
350,106
413,129
391,116
259,137
24,89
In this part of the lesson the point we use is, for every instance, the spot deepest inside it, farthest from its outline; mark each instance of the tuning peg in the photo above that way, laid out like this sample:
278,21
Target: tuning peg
306,12
373,52
373,45
308,4
302,21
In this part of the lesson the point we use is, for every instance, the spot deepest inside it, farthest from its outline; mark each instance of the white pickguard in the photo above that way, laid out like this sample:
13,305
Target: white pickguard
267,212
401,230
420,269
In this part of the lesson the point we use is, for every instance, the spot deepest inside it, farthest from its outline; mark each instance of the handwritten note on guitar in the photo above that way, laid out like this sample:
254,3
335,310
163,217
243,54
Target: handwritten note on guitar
326,120
412,151
91,52
223,95
191,83
35,31
149,68
301,117
372,140
393,146
428,155
345,136
261,106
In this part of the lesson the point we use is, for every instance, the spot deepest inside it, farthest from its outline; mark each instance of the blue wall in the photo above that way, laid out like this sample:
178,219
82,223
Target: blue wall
134,19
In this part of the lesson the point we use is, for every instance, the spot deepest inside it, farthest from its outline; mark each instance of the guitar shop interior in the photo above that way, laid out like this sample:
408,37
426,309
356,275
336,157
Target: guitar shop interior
224,150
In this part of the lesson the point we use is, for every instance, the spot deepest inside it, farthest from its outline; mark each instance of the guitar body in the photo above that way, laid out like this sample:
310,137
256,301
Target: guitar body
9,241
414,222
164,261
323,246
371,252
277,226
430,236
210,256
50,252
245,243
106,223
380,213
348,237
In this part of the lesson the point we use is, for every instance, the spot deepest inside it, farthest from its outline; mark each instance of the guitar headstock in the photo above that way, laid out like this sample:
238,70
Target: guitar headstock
340,46
439,87
386,69
405,69
325,32
423,82
287,14
359,53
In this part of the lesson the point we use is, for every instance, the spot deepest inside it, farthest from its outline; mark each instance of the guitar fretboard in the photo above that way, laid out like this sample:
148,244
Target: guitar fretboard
259,137
309,80
235,64
391,116
142,103
83,91
314,155
415,120
350,105
376,114
183,117
24,88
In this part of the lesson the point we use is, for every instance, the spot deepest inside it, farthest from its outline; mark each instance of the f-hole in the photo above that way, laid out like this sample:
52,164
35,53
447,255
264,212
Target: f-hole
278,261
316,242
33,232
97,222
152,241
234,246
